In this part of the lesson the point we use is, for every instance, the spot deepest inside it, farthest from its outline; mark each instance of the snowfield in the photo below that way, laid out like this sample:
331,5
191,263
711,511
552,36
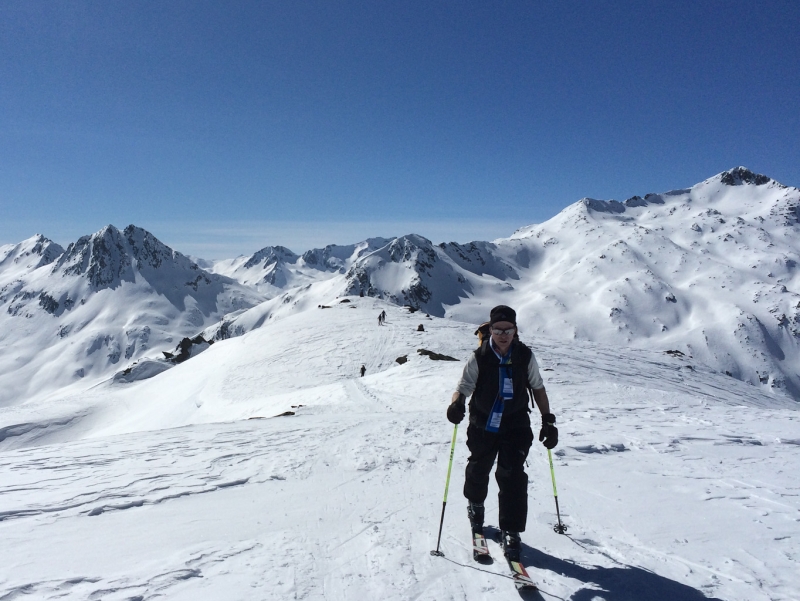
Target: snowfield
181,429
676,481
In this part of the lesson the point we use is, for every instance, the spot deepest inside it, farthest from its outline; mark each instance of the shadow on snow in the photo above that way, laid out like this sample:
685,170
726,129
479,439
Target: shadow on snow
619,583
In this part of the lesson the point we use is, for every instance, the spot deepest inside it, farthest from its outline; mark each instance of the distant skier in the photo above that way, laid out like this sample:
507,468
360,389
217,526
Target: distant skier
380,319
498,375
363,370
383,316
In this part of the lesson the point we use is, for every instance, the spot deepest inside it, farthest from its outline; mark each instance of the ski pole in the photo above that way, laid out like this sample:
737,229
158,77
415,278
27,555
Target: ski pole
560,528
446,486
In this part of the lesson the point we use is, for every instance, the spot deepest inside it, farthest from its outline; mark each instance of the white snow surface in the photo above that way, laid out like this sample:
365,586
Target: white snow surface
711,271
676,482
266,468
73,318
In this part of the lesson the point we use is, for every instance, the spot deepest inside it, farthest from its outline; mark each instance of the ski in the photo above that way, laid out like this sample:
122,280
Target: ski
521,578
480,550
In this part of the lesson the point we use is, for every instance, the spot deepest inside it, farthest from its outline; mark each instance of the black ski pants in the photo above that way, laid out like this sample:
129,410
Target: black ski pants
511,449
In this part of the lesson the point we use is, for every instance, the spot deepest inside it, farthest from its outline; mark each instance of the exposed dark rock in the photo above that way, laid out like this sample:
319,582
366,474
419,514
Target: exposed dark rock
271,255
636,201
48,303
435,356
604,206
742,175
186,348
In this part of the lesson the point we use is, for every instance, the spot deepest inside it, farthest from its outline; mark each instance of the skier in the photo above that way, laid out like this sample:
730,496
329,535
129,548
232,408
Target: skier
363,370
498,375
380,319
383,316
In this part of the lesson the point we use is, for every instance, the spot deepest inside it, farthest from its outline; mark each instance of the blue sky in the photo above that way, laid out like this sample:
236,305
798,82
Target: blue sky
223,127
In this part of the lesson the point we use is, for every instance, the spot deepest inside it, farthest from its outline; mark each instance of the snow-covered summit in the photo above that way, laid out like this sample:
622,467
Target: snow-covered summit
742,175
36,251
710,270
110,297
274,269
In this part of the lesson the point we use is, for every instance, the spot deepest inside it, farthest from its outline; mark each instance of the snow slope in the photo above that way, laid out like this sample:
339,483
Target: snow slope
265,468
676,482
74,317
273,269
711,271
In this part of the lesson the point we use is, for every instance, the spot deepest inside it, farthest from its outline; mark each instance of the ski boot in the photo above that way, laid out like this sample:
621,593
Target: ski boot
475,513
480,550
512,545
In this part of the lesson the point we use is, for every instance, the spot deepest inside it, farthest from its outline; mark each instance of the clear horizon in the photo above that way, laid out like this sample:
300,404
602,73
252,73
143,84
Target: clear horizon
224,129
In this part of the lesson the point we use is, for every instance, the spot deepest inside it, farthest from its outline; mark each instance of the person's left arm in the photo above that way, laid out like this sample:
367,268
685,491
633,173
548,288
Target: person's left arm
537,386
548,433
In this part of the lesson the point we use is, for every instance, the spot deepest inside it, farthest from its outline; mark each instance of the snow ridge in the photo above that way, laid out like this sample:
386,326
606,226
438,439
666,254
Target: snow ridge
710,270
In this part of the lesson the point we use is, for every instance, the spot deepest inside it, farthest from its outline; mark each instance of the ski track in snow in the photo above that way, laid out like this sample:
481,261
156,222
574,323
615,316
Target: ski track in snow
676,482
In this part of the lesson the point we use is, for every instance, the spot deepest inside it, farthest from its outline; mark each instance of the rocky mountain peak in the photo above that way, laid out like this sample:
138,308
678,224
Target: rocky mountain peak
146,249
337,257
109,257
742,175
407,248
271,255
102,257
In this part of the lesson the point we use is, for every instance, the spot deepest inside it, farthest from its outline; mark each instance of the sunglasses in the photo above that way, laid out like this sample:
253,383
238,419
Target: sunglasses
498,332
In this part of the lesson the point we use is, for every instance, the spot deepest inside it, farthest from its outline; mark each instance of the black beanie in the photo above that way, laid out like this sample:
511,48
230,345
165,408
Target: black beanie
502,313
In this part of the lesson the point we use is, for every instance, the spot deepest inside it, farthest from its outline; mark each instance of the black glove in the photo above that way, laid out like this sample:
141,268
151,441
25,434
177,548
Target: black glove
548,435
457,410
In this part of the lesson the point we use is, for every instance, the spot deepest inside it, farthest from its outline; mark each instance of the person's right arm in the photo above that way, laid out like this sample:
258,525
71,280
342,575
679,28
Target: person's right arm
466,386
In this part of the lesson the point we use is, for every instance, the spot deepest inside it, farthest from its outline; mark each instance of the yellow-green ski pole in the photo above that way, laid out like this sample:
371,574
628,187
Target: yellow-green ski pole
446,486
560,528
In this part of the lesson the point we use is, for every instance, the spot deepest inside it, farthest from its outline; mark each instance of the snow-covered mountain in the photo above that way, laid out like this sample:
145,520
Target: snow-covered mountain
710,271
18,259
75,316
676,480
274,269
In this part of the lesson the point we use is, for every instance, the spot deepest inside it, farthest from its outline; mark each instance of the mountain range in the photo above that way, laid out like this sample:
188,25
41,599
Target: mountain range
708,272
186,429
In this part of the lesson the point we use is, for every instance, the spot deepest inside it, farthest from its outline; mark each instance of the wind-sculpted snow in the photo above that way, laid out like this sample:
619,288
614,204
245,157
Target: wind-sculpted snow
676,481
